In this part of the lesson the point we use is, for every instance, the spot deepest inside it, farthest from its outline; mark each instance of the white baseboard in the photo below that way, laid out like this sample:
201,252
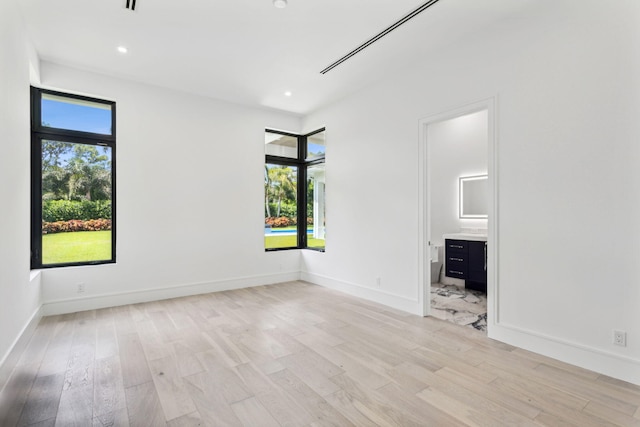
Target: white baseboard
382,297
93,302
594,359
10,359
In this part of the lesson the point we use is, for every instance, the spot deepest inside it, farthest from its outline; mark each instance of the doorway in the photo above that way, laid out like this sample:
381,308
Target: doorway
457,152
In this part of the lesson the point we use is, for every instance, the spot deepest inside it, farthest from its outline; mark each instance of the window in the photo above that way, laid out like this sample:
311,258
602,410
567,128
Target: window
294,191
72,180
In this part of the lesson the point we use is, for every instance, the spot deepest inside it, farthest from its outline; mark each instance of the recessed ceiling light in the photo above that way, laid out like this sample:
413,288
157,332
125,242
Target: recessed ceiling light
122,49
288,93
280,4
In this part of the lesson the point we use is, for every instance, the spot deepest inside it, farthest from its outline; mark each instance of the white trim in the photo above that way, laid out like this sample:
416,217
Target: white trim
410,305
424,205
12,356
92,302
34,275
591,358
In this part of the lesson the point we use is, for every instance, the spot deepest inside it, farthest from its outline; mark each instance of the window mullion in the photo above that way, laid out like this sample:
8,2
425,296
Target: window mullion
36,202
302,207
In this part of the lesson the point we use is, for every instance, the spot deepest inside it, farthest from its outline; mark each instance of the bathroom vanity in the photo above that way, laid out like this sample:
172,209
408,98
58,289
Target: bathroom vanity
466,259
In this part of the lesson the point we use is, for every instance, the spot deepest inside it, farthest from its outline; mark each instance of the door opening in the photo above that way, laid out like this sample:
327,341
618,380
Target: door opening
458,216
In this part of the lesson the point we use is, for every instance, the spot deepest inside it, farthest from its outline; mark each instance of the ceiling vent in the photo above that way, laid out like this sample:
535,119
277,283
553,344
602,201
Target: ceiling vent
131,4
380,35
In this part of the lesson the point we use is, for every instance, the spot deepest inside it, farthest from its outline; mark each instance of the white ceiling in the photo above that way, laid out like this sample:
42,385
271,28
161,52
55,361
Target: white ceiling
248,51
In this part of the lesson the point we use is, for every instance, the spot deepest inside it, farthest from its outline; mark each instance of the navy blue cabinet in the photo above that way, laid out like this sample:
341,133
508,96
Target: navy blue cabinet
467,260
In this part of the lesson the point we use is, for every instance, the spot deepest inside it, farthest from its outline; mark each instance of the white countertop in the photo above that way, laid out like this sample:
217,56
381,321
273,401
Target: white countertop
466,236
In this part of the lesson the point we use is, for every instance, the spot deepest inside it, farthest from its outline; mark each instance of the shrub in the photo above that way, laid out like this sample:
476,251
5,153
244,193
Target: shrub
75,225
67,210
290,210
282,221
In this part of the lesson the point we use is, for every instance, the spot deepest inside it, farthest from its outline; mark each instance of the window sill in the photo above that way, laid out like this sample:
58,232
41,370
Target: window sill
315,249
34,275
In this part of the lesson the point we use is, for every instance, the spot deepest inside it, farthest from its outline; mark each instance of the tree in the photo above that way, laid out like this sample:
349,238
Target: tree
75,171
282,184
267,185
54,175
90,174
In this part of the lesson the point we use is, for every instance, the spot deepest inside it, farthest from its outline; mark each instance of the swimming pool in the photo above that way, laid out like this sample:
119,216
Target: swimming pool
287,232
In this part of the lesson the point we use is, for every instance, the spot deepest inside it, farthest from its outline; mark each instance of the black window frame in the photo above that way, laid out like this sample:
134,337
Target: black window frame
40,133
301,163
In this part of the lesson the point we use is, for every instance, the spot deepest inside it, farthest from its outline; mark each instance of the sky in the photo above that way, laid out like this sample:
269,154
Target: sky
76,116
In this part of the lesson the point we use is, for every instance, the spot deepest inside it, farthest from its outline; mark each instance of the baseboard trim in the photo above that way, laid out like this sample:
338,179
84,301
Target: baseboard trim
11,358
381,297
594,359
93,302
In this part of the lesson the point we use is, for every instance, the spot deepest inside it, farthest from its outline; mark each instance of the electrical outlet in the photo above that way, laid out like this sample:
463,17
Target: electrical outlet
620,338
378,281
80,288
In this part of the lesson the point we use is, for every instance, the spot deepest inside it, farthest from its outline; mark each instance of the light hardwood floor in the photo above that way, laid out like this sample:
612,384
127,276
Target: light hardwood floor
293,354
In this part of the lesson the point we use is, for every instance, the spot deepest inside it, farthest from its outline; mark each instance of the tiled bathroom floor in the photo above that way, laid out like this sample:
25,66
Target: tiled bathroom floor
459,305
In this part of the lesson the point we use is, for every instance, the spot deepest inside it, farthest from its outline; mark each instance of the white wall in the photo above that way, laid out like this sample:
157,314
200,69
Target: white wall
566,77
19,296
189,189
457,147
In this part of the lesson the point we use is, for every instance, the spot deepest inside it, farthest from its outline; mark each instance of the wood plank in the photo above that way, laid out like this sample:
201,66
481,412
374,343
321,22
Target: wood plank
362,374
153,343
106,340
135,369
563,409
56,357
43,399
119,418
317,335
607,413
259,348
225,379
427,413
109,399
470,410
319,408
171,391
372,404
281,406
16,393
547,419
76,400
622,401
39,342
165,326
314,370
251,413
186,360
123,321
226,348
210,401
462,366
538,392
143,406
354,410
46,423
190,420
478,388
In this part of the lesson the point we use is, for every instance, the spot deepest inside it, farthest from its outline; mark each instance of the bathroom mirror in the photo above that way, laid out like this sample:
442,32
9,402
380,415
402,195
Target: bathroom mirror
474,191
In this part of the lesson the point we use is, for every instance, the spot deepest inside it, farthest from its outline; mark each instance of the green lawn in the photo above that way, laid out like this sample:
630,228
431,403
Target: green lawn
77,246
271,242
82,246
